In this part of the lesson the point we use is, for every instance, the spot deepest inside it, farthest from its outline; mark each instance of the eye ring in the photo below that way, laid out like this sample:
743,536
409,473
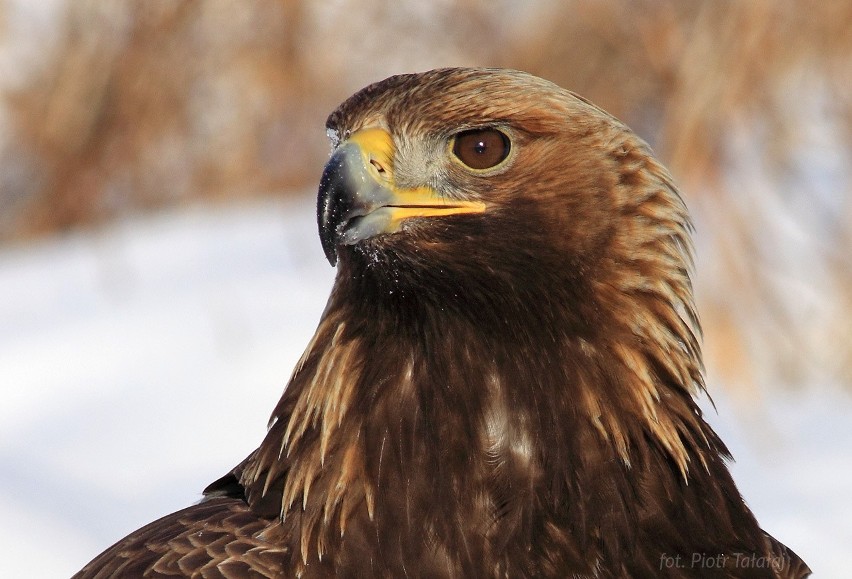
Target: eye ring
481,149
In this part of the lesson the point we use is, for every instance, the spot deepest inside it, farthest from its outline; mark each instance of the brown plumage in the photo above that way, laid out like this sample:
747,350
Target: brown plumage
502,382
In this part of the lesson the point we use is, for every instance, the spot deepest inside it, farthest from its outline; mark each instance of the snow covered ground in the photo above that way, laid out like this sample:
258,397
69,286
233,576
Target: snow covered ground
141,362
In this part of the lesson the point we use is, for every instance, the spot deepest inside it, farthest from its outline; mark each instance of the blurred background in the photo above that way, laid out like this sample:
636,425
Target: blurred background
157,157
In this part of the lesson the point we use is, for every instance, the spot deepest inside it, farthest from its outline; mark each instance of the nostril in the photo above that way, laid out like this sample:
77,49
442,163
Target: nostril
379,167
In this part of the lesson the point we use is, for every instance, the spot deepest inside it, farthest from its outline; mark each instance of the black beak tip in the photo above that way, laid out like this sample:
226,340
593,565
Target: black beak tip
332,206
330,254
346,192
327,228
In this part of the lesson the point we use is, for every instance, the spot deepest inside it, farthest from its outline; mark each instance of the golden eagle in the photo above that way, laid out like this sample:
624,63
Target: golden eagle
502,382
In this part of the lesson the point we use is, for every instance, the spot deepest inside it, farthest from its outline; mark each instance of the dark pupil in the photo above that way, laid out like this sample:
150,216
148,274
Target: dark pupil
481,148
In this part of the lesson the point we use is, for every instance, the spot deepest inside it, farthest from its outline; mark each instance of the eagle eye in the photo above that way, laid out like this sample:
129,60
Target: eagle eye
481,148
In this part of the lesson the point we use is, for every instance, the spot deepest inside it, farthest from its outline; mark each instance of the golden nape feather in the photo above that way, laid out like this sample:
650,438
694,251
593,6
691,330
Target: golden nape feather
502,383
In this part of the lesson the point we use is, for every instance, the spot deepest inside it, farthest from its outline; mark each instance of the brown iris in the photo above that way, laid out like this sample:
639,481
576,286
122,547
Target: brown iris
481,148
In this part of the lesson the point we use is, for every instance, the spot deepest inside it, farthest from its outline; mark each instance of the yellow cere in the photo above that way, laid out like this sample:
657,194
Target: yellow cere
377,148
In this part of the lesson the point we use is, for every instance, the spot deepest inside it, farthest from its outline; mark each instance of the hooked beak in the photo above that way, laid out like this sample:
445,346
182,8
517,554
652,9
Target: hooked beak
358,198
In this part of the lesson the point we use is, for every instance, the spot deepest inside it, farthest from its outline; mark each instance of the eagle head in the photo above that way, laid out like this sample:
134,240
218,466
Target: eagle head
479,184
